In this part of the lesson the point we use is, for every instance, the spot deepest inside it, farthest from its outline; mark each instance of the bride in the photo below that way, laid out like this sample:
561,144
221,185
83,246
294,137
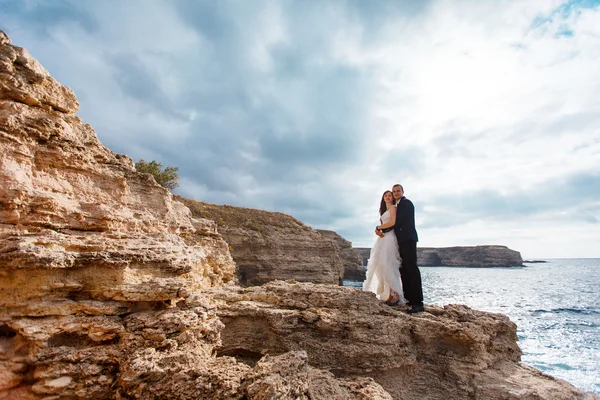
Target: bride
383,269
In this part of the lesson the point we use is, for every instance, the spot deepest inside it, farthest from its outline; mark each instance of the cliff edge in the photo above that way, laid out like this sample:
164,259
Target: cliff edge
269,246
351,259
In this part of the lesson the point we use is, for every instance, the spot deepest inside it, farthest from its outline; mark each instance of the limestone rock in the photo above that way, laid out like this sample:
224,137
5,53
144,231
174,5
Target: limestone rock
365,253
289,376
84,240
451,352
167,354
469,256
77,222
24,80
269,246
461,256
284,376
351,259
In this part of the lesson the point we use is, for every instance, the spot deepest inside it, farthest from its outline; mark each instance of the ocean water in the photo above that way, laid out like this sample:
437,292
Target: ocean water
556,306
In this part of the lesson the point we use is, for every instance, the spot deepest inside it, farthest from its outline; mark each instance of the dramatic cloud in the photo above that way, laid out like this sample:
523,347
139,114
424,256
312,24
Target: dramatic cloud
487,112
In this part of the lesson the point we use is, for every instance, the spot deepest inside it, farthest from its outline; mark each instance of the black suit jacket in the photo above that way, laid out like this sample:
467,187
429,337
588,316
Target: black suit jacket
405,221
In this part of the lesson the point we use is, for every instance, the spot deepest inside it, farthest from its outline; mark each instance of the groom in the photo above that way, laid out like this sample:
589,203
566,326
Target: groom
406,234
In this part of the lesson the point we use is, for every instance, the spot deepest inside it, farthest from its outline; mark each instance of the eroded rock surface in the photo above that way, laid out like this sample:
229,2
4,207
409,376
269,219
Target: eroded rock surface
269,246
351,259
84,241
452,352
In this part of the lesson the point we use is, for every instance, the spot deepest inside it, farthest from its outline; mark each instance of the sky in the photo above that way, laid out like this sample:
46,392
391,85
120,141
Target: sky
487,112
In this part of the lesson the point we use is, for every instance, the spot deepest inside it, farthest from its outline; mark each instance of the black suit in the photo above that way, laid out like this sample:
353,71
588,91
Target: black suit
407,237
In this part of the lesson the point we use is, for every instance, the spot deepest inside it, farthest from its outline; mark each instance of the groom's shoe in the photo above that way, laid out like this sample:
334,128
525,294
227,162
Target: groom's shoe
415,309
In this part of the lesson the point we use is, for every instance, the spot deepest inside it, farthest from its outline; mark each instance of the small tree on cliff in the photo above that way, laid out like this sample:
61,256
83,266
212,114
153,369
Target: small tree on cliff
168,177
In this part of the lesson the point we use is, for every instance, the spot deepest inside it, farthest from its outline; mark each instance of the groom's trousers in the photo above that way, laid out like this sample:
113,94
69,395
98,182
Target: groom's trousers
409,273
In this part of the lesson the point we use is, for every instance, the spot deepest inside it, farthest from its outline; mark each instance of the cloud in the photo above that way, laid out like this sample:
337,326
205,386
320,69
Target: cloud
486,113
570,198
41,16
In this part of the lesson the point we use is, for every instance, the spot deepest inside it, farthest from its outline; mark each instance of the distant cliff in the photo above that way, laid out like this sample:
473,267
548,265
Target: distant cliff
469,256
461,256
351,259
268,245
365,253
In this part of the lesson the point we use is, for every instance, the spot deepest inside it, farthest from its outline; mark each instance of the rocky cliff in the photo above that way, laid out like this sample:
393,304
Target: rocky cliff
110,289
268,246
470,256
452,352
351,259
365,253
85,241
461,256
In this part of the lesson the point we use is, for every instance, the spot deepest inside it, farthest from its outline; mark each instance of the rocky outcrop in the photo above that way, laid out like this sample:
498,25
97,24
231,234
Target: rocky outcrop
269,246
452,352
85,240
110,289
365,253
469,256
69,207
351,259
461,256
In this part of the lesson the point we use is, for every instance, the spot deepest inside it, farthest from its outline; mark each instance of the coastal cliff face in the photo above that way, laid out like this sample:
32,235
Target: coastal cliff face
85,240
110,289
269,246
461,256
365,253
469,256
69,207
351,259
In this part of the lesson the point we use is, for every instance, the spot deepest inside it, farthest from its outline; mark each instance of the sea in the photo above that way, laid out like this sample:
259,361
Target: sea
556,306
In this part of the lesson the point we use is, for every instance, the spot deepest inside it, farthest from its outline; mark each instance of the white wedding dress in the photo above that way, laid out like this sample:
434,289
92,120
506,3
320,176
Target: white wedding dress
383,268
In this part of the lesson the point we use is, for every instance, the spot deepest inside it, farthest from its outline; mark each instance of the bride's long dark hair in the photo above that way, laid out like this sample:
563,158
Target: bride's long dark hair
382,205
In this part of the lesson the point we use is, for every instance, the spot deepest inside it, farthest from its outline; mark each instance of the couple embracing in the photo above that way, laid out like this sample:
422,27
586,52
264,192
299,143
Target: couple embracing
392,271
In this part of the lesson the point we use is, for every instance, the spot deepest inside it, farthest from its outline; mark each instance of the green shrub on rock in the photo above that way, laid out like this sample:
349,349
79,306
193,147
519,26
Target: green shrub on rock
167,178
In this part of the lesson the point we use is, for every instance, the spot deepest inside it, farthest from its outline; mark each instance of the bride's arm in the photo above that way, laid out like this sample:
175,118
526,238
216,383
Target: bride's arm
392,220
